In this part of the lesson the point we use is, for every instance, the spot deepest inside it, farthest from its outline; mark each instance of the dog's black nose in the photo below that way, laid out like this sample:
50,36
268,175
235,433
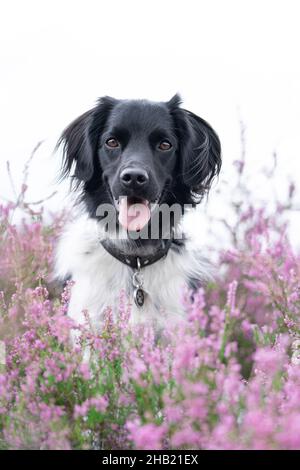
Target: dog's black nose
134,178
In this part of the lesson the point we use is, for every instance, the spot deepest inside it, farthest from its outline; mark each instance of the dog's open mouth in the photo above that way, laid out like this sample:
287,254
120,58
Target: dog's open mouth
134,212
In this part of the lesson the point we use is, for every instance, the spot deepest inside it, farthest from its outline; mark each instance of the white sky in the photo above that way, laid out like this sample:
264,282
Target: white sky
229,59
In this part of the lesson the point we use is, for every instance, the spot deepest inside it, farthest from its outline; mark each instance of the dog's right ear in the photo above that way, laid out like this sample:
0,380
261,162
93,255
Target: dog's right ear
80,139
77,148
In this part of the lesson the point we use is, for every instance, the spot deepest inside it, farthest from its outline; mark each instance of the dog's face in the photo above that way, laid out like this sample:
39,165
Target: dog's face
150,152
137,150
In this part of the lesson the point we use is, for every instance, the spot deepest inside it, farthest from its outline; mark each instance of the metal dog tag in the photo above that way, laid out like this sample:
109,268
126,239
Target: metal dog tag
137,281
139,297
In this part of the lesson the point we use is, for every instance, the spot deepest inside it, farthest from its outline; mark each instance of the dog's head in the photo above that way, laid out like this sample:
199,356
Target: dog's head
151,152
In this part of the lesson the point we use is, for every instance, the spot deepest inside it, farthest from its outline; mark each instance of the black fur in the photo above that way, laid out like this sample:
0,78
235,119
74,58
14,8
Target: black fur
182,175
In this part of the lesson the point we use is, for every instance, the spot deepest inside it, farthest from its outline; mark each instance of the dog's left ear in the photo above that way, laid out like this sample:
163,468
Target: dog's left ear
199,146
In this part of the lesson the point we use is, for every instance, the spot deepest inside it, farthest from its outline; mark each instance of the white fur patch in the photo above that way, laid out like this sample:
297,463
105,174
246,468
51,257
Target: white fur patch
99,277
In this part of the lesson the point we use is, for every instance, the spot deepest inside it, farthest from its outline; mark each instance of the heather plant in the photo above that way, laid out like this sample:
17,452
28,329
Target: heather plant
228,377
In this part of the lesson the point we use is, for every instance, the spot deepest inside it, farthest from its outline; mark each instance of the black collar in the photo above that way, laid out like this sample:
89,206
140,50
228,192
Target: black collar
136,262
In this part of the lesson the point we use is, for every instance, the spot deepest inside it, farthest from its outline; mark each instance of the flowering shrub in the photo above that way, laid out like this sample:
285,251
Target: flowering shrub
227,378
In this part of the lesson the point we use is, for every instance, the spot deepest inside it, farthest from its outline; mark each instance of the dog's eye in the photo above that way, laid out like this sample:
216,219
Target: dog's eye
165,145
112,143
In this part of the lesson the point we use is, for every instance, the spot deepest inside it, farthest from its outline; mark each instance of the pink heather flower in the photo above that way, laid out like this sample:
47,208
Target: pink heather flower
81,410
231,299
173,413
259,423
268,360
228,378
185,355
247,328
50,413
61,327
147,436
185,437
39,344
85,371
195,309
197,408
223,436
289,436
99,403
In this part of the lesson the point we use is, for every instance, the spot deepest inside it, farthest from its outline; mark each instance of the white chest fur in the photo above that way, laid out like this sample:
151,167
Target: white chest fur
99,277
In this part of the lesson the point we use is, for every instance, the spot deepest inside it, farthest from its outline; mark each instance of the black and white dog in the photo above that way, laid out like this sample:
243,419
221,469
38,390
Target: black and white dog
129,159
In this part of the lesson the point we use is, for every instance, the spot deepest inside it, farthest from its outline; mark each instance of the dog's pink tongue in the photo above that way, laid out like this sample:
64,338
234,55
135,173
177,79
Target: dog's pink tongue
133,217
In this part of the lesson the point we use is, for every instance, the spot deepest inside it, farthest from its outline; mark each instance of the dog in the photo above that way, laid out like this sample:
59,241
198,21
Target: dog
128,159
